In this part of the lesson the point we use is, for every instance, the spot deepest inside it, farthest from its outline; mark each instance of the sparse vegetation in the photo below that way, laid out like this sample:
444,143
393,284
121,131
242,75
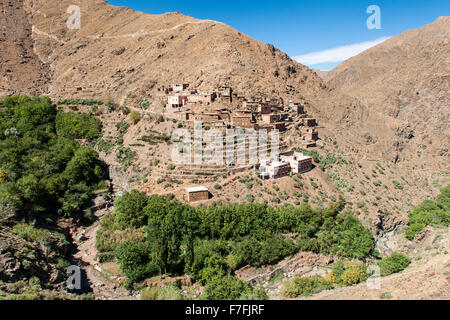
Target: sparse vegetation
428,213
135,117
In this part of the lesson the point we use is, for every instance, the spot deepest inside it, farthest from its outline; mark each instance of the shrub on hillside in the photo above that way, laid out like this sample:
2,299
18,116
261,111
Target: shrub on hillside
395,263
428,213
230,288
305,286
168,292
135,117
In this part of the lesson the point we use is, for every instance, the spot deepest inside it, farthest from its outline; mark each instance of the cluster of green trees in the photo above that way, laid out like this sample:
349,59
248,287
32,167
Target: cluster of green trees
77,126
212,242
430,213
42,170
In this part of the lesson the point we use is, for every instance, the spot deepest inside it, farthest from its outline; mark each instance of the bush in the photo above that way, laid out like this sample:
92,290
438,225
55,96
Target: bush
134,260
354,273
347,273
84,167
135,117
130,210
429,212
346,236
397,184
395,263
168,292
230,288
30,233
305,286
210,242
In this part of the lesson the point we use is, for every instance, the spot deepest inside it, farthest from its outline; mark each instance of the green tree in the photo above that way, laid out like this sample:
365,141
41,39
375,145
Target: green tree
84,167
130,210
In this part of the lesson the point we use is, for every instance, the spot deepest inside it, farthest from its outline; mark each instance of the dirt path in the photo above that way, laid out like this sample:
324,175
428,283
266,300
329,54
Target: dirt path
102,288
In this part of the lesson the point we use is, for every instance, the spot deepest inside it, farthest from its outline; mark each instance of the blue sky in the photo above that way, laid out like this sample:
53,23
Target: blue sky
307,30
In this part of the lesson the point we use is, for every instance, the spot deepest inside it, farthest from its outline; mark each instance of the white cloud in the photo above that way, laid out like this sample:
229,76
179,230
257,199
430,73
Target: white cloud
337,54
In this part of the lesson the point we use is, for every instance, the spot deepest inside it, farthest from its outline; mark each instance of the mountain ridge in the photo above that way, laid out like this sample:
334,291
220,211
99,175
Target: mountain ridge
125,56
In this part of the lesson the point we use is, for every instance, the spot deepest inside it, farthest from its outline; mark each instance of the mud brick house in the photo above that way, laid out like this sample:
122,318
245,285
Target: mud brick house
264,108
275,104
269,118
310,122
182,115
309,134
243,121
274,118
202,98
241,98
177,101
273,169
206,116
226,94
195,194
297,107
224,114
180,87
280,126
298,162
165,89
250,105
308,144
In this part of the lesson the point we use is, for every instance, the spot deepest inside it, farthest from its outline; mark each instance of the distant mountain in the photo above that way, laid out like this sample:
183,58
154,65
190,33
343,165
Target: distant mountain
373,111
406,78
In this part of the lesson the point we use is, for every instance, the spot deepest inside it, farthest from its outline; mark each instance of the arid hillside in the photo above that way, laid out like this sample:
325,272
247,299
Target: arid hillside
407,79
21,70
382,120
125,56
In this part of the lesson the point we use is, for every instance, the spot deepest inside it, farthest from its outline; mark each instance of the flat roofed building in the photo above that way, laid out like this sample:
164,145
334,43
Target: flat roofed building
264,108
298,162
310,122
203,97
309,134
274,117
226,94
243,121
273,169
197,194
280,126
297,107
177,101
179,87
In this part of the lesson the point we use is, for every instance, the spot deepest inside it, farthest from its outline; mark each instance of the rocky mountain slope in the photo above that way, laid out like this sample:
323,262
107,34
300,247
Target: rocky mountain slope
125,56
407,81
21,70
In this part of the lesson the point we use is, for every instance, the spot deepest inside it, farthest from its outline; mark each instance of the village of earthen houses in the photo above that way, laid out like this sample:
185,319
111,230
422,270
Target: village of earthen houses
224,109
